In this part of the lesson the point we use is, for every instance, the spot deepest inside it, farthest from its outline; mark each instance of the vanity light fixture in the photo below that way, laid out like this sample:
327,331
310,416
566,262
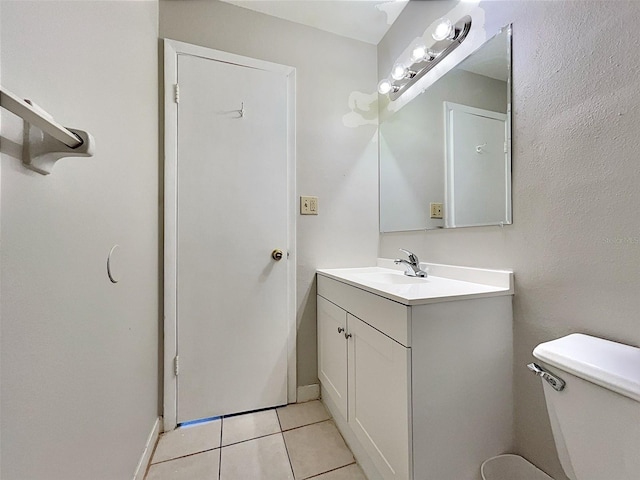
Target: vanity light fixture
447,36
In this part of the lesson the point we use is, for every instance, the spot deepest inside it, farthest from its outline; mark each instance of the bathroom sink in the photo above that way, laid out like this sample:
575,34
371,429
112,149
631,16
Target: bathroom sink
391,278
444,283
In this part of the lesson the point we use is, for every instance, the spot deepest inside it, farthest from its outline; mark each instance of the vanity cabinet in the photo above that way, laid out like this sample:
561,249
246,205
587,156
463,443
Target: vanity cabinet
421,391
367,376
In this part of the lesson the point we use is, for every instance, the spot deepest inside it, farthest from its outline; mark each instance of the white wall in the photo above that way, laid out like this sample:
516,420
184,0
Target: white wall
575,241
334,162
80,354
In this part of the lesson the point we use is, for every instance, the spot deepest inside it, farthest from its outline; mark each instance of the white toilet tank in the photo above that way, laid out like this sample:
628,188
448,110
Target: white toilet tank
596,417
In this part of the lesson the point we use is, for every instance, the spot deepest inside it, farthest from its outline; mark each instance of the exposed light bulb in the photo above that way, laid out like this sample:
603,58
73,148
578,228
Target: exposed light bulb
399,71
384,86
419,53
444,30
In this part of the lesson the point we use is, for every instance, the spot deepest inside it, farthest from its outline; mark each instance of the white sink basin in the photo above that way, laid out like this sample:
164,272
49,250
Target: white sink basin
391,278
444,283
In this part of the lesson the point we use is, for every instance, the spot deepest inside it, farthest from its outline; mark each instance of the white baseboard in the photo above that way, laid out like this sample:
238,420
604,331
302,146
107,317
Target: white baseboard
141,469
306,393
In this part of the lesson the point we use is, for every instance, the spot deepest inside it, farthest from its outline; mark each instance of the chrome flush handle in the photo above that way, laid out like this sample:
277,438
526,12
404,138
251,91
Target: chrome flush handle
556,382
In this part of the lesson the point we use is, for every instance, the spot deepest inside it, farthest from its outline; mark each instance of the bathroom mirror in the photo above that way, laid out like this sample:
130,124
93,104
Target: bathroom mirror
445,157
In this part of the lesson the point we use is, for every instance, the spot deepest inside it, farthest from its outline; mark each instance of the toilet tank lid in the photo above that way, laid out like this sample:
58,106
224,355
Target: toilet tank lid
609,364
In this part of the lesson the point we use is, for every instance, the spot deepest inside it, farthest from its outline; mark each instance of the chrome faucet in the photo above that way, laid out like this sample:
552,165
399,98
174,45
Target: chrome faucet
412,265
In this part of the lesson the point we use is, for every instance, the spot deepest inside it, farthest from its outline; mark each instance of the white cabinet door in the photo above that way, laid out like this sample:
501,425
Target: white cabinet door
379,398
332,352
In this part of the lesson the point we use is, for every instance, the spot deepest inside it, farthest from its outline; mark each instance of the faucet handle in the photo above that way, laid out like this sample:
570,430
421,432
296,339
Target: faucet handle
413,258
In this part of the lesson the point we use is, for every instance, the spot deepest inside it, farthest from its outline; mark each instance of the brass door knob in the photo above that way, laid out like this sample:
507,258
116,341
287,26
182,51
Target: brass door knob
277,254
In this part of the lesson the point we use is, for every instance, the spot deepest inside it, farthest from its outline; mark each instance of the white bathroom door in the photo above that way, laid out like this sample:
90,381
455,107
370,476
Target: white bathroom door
233,210
476,167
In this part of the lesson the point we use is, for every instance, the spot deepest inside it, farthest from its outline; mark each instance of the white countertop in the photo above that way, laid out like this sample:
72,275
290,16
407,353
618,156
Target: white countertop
444,282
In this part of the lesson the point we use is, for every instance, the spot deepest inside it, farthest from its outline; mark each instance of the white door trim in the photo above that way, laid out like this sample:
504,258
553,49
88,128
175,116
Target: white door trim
172,49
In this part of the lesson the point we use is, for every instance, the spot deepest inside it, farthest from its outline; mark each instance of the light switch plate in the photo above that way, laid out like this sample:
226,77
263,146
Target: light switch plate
308,205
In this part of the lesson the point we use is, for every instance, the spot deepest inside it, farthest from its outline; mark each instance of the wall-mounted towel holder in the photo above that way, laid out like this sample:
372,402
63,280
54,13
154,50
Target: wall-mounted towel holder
45,140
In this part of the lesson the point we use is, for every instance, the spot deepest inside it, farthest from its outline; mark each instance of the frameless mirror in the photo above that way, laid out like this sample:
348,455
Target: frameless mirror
445,157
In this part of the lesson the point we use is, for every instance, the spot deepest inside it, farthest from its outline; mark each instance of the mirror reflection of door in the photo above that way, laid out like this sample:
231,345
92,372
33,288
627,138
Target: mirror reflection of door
412,143
476,166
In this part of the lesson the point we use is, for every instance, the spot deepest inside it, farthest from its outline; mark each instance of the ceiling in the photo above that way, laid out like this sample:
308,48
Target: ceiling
364,20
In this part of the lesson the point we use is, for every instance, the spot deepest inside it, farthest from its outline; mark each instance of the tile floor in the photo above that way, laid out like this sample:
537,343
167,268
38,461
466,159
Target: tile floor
295,442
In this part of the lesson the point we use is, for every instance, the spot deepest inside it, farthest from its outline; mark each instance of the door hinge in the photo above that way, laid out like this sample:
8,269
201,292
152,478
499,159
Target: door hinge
176,366
176,93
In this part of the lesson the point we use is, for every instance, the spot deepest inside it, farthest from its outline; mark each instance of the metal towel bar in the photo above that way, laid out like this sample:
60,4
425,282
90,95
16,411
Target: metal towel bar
38,119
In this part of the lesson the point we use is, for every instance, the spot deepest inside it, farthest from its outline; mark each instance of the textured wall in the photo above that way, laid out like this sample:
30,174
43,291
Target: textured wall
335,162
575,241
80,354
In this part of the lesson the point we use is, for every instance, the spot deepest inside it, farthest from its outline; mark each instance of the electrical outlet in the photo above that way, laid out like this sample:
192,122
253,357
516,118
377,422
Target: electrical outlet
308,205
436,210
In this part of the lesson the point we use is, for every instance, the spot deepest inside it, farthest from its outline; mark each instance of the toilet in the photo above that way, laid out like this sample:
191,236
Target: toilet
592,391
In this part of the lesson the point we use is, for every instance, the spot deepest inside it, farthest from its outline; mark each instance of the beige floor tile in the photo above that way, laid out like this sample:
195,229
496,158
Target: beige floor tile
316,449
300,414
187,440
202,466
251,425
352,472
263,458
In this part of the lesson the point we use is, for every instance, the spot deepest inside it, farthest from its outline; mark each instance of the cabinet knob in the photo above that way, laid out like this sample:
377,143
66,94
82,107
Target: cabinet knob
340,329
347,336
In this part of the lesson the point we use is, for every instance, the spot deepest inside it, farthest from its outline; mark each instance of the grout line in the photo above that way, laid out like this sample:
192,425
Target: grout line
308,424
332,470
185,456
220,455
286,449
249,439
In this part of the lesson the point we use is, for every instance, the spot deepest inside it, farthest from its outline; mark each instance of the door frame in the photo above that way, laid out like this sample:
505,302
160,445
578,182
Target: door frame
172,50
449,108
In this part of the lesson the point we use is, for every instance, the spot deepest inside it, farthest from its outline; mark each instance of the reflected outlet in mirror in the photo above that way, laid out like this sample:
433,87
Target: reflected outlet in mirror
451,146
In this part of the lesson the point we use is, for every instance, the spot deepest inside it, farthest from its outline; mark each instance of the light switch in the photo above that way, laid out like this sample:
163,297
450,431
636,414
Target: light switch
308,205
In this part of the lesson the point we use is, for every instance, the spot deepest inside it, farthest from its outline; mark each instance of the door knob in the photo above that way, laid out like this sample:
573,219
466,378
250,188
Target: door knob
340,329
277,254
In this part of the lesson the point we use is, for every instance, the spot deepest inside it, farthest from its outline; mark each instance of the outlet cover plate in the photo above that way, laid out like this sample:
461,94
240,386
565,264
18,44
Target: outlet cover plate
436,210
